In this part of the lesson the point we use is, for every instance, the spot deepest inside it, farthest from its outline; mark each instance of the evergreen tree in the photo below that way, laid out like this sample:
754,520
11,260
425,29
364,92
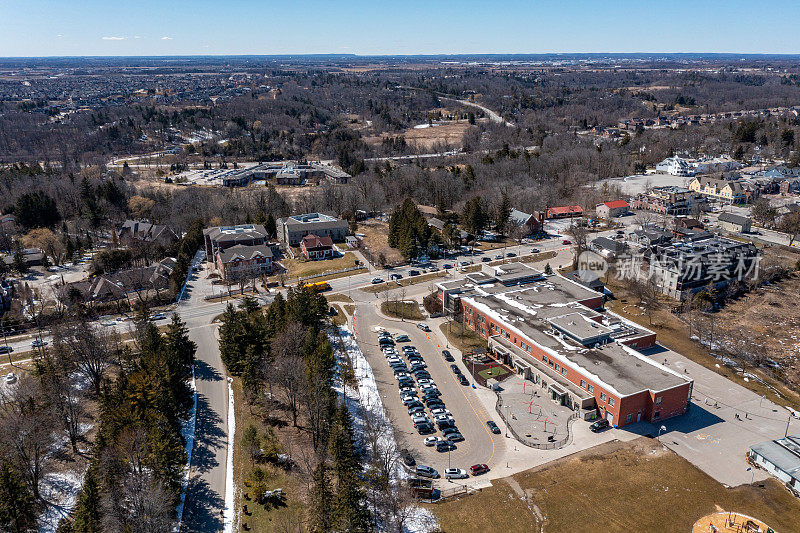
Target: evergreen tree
321,498
87,509
502,214
351,512
19,264
17,502
548,269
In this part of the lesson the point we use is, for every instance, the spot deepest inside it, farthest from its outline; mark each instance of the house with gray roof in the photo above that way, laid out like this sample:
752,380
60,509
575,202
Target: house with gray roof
781,458
291,230
734,223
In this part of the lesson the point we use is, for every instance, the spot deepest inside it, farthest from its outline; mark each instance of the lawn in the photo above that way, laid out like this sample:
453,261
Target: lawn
297,268
497,372
411,280
462,338
625,487
338,298
406,310
376,241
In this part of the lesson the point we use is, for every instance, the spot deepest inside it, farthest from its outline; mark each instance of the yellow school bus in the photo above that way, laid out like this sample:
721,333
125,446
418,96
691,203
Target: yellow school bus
319,286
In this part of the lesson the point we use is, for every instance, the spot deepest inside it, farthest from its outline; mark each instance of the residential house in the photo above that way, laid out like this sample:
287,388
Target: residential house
781,458
606,247
589,279
676,166
314,247
291,230
524,220
613,209
734,223
143,232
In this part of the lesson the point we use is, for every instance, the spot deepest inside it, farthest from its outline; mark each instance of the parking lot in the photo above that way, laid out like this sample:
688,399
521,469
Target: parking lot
463,409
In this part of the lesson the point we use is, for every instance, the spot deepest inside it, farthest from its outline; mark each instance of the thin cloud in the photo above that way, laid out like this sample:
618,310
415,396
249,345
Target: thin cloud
137,37
165,38
113,38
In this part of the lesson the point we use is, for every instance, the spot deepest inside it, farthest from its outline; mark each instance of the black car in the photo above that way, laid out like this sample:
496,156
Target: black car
433,403
447,356
413,272
461,379
425,429
455,369
443,424
407,458
599,425
6,349
485,259
493,427
445,446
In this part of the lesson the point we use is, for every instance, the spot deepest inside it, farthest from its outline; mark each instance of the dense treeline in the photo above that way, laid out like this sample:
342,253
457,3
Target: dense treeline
409,231
134,479
284,349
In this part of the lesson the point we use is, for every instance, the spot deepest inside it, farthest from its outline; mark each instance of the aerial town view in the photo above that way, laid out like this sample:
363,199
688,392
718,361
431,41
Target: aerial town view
467,267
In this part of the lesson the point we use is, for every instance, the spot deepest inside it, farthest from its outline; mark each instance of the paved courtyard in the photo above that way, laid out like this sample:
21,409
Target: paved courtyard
530,412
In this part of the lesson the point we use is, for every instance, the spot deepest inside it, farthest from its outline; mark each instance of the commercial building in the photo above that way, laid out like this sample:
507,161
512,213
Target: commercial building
555,333
683,267
781,458
524,220
676,166
735,191
567,211
734,223
670,200
291,230
242,262
223,237
614,209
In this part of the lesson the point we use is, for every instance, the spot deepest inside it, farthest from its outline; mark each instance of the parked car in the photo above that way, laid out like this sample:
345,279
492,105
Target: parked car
444,446
461,379
413,272
535,250
158,316
493,427
431,441
511,254
447,356
599,425
566,241
395,277
498,256
426,471
447,266
455,369
407,458
402,338
423,326
484,259
476,470
375,281
455,473
38,343
11,378
455,436
425,429
6,349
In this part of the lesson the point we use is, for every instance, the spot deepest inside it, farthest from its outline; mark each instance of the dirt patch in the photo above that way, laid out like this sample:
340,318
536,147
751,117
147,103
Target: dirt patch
376,241
448,134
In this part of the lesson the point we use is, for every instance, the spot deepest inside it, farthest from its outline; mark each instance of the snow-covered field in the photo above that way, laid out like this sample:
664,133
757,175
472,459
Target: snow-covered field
366,408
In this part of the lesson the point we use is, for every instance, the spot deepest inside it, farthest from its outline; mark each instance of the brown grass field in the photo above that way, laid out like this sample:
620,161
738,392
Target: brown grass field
615,487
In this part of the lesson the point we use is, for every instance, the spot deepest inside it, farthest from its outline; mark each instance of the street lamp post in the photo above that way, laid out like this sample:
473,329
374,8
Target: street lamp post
662,428
506,420
5,342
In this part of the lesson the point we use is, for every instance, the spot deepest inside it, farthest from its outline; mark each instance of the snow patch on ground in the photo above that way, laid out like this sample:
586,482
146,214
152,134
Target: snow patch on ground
60,490
230,488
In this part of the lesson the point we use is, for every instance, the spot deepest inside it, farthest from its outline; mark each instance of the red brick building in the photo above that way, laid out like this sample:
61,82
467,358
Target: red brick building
314,247
244,262
554,332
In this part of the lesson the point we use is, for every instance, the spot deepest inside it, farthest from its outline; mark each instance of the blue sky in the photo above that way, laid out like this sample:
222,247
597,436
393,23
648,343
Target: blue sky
178,27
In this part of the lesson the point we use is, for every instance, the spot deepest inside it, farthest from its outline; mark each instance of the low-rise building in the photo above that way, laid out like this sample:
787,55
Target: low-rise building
781,458
291,230
223,237
244,262
616,208
555,333
676,166
314,247
524,220
670,200
734,191
567,211
734,223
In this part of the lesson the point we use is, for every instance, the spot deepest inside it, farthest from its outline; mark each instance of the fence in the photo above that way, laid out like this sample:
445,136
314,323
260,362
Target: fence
528,442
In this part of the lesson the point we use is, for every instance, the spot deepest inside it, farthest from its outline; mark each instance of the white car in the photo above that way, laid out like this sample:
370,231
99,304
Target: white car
425,381
437,412
431,441
423,326
455,473
11,378
443,418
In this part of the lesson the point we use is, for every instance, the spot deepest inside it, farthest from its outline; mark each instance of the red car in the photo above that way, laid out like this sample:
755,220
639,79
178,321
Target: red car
566,241
478,469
